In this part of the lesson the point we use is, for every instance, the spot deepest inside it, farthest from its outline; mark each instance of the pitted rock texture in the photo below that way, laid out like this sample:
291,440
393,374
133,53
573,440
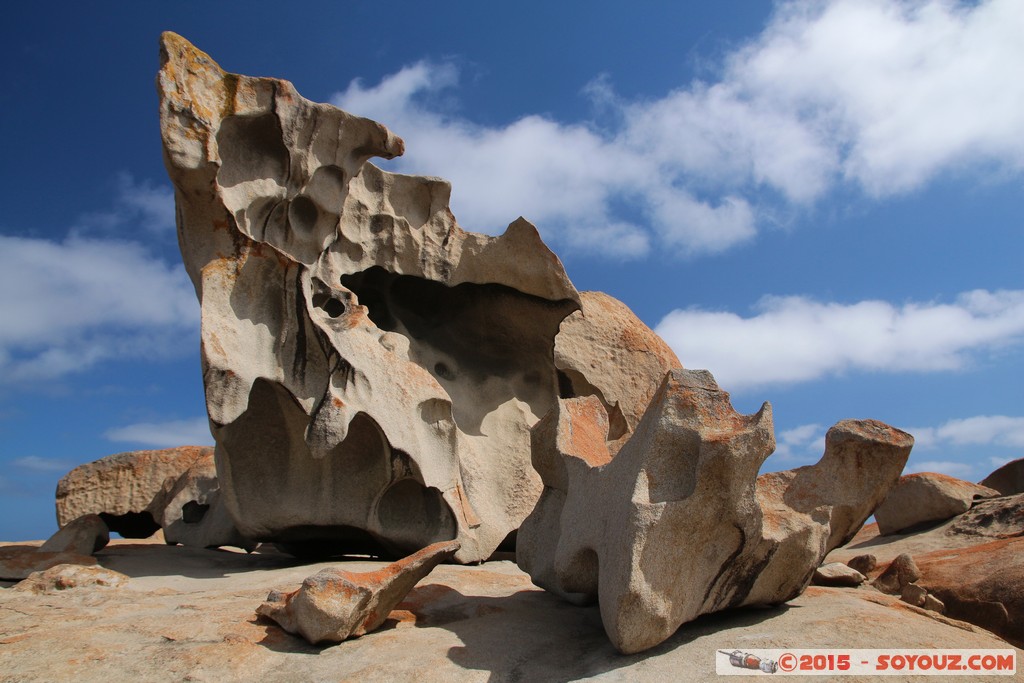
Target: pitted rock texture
678,523
138,492
334,605
927,497
604,350
371,369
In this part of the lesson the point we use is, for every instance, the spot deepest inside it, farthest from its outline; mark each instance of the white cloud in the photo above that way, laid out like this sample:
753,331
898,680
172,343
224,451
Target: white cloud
35,463
980,430
803,444
797,339
883,94
64,306
193,432
137,206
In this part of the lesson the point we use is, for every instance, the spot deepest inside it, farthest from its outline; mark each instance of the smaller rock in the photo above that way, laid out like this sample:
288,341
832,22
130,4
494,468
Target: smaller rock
334,605
933,604
902,571
863,563
64,576
83,536
18,562
837,574
925,497
912,594
1008,479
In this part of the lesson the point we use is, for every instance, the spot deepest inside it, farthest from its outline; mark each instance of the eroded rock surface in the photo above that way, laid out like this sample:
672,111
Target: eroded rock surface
83,536
334,605
138,492
927,497
677,523
372,370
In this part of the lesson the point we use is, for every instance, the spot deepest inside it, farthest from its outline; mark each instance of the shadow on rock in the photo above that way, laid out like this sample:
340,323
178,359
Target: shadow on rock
512,637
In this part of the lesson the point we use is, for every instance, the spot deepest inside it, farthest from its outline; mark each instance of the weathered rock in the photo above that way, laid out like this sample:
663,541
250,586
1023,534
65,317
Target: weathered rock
837,574
915,595
999,518
863,563
900,572
604,350
64,576
982,584
194,513
126,490
18,562
334,605
1008,479
83,536
678,524
927,497
371,369
933,604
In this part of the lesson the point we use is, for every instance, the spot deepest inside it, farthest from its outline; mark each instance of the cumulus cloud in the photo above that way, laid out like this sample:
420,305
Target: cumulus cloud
980,430
798,339
883,95
801,445
192,432
65,306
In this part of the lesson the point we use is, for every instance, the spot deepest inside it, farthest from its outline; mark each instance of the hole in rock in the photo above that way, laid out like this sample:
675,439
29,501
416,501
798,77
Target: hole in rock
302,215
193,512
485,344
131,524
329,305
251,148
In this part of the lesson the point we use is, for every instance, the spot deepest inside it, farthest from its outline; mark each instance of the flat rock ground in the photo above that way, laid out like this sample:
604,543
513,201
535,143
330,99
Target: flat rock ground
188,615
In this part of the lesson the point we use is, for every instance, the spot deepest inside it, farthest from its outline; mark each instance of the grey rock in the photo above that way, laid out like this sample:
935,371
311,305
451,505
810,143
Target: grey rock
915,595
927,497
863,563
837,574
900,572
83,536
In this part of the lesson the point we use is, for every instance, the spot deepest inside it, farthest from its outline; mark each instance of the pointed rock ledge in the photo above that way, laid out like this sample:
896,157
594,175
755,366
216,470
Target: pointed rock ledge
334,605
677,523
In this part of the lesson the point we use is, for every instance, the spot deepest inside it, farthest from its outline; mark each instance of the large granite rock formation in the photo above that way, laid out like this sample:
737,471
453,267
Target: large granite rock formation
372,370
678,523
1008,479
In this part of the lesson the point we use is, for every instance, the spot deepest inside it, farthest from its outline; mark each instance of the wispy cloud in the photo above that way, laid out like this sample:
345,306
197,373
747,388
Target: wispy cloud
798,339
881,95
65,306
192,432
35,463
136,206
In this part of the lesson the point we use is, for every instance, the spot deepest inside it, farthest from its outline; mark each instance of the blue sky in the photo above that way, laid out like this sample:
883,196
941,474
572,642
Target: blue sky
819,201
